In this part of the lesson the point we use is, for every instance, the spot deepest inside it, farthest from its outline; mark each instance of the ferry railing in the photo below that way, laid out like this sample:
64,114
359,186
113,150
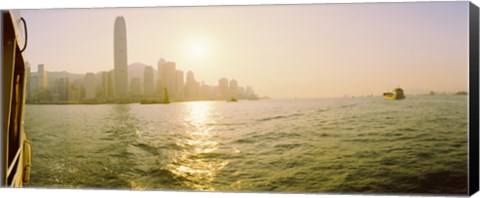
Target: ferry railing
16,149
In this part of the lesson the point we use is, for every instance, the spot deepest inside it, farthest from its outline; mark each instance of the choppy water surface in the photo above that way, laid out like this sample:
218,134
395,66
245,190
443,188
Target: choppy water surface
418,145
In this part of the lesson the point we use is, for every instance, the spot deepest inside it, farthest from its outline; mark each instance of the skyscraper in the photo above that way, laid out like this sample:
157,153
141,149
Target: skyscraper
205,91
233,88
167,73
33,87
111,84
160,84
180,85
104,85
223,88
148,81
135,87
42,77
120,58
249,92
192,87
168,77
90,86
60,90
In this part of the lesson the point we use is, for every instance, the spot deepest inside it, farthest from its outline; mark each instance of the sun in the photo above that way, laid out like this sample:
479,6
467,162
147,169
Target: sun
198,49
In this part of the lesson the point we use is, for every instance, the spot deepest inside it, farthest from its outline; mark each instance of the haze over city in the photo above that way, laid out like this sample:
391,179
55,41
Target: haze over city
327,98
326,50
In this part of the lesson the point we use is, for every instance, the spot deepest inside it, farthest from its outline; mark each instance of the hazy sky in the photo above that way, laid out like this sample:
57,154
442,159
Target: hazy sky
319,50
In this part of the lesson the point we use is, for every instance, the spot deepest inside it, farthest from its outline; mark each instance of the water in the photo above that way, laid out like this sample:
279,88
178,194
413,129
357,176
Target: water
418,145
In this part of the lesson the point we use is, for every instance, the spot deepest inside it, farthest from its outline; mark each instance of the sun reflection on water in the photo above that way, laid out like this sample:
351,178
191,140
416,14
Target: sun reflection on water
196,162
198,112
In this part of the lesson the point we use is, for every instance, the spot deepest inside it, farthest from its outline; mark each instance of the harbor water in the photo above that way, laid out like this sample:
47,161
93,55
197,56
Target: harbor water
362,144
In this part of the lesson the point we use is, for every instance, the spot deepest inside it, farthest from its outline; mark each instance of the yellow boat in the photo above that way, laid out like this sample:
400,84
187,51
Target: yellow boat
396,94
232,100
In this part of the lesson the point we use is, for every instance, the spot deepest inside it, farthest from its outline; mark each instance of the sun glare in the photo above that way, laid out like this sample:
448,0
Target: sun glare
199,112
198,49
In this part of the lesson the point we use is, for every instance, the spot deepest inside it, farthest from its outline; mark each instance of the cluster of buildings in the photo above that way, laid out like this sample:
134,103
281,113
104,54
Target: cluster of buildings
181,87
115,86
101,87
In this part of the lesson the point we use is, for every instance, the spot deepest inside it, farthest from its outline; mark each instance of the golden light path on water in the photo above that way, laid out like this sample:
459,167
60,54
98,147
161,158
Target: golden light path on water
198,142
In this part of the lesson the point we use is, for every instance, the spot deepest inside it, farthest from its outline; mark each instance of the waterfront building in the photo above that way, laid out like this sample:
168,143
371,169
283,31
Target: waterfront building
168,78
205,92
33,87
148,84
135,87
75,92
104,85
120,59
249,92
223,88
180,85
90,86
107,85
41,77
160,86
241,92
60,92
233,89
191,87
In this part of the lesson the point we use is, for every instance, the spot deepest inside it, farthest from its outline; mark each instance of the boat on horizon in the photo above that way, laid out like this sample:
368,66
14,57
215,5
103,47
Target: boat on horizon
232,100
396,94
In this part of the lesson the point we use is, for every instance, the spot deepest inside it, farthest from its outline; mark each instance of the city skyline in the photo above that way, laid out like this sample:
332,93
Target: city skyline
98,88
118,86
313,51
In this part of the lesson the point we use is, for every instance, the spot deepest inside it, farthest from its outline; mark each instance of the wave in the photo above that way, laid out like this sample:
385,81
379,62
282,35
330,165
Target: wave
280,117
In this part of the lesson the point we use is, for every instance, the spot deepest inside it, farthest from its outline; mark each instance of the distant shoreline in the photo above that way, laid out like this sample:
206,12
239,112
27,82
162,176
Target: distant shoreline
213,100
135,102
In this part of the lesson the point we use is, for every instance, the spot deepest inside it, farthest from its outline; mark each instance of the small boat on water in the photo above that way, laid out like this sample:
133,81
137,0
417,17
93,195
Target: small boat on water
396,94
232,100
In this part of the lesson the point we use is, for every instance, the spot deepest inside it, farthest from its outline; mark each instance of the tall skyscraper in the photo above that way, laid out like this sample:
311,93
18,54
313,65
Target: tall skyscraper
41,77
120,58
192,87
111,84
167,73
160,84
60,90
135,87
223,88
233,88
180,85
90,86
74,92
205,91
33,87
104,85
148,84
107,86
249,92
